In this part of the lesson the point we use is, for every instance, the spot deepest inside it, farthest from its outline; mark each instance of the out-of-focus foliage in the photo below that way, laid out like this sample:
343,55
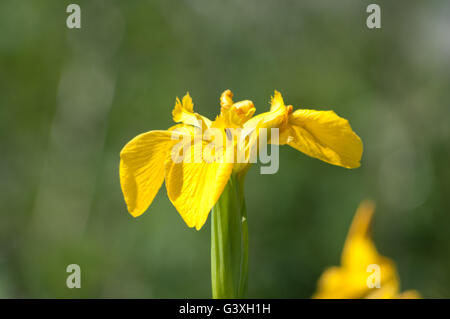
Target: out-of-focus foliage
71,99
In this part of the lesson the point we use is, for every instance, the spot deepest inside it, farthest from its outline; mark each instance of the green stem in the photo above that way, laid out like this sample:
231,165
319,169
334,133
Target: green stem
229,242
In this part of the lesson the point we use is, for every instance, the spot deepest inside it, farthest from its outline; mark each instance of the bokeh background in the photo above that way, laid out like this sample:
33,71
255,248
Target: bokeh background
71,99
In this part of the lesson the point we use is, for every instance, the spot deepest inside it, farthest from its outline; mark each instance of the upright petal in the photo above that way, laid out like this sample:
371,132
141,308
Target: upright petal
142,168
350,280
359,250
358,247
226,99
275,118
277,102
194,188
323,135
233,115
183,112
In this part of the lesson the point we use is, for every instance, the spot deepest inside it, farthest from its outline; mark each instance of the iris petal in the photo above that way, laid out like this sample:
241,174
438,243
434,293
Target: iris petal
142,168
324,135
194,188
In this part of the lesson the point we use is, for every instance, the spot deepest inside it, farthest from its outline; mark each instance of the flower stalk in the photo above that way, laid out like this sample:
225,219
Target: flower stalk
229,242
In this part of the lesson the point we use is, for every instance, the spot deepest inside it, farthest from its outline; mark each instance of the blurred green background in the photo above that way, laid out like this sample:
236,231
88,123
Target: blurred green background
71,99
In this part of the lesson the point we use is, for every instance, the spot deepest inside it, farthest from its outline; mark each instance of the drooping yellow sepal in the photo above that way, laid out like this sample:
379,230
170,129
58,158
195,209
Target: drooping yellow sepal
194,188
325,136
319,134
142,168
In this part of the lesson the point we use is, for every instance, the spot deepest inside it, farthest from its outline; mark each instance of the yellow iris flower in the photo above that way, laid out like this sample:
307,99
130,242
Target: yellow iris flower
351,279
195,187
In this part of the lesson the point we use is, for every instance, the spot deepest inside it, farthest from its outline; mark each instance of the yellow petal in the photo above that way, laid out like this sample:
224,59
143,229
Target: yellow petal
387,290
233,115
319,134
409,294
343,283
324,135
276,102
226,99
333,284
142,168
183,112
339,283
275,118
350,280
194,188
360,251
359,248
